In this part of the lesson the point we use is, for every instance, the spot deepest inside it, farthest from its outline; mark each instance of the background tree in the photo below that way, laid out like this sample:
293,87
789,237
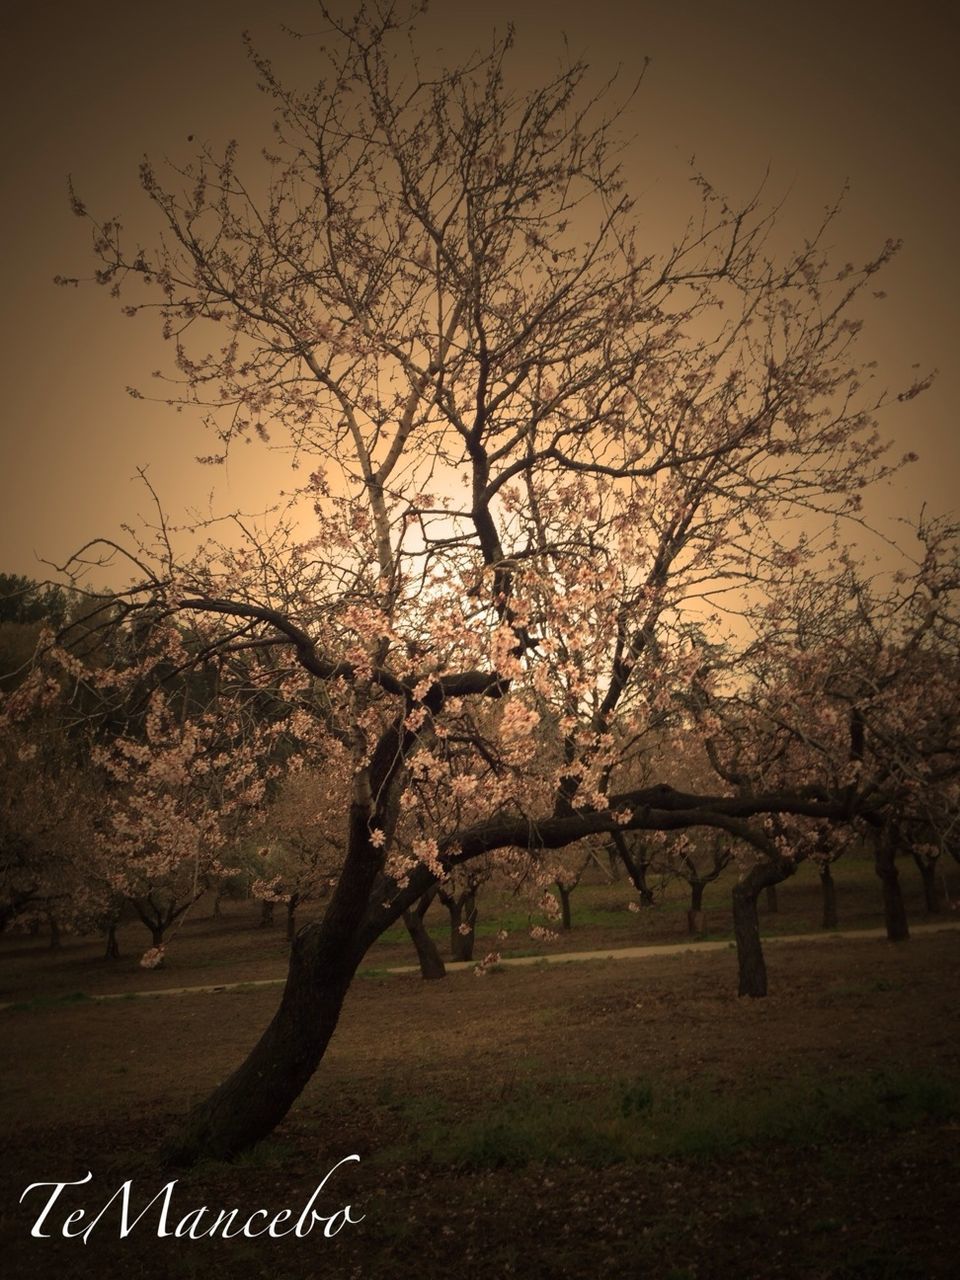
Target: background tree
699,859
459,895
305,847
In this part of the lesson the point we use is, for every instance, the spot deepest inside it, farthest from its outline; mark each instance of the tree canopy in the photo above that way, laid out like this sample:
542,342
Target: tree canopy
550,472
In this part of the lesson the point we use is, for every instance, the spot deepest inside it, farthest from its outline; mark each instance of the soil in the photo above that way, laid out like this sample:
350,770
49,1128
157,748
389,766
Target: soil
91,1086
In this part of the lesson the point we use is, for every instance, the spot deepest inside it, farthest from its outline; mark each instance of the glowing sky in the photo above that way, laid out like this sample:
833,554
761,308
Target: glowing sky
820,92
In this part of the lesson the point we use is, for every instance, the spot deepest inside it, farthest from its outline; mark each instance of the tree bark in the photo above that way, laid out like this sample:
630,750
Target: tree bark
770,899
746,925
885,864
932,897
292,905
828,888
431,963
251,1102
112,951
463,923
636,870
565,918
695,914
266,913
324,957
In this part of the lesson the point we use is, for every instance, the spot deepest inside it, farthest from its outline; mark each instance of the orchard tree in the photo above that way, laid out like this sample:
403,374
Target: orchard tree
851,681
533,448
699,858
46,810
180,796
303,827
459,895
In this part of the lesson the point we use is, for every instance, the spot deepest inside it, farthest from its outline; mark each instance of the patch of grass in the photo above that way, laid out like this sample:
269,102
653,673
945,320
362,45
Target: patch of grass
47,1002
635,1120
636,1098
879,1264
270,1154
865,986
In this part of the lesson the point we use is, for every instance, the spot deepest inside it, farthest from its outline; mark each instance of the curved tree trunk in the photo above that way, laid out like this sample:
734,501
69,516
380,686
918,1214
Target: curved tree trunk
828,888
894,911
431,963
266,913
746,925
250,1103
324,956
751,965
636,870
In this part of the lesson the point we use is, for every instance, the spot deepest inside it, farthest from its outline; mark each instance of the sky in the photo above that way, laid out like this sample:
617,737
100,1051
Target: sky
819,95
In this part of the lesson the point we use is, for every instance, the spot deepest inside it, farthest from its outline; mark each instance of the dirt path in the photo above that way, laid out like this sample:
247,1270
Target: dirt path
563,957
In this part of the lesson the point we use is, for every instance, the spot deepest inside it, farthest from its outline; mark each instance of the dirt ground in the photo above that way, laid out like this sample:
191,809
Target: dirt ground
438,1086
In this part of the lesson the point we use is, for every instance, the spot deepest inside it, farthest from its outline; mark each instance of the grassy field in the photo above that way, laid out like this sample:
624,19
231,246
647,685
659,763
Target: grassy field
626,1118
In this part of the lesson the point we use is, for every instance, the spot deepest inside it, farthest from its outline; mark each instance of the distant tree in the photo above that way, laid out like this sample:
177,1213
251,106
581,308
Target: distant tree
25,607
46,811
458,894
698,858
304,840
23,600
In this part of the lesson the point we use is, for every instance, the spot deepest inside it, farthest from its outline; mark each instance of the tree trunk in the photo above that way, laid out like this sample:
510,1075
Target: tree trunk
829,891
565,894
217,899
156,932
695,914
112,951
932,898
770,899
746,925
463,923
292,905
251,1102
266,913
636,870
431,964
324,957
894,911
